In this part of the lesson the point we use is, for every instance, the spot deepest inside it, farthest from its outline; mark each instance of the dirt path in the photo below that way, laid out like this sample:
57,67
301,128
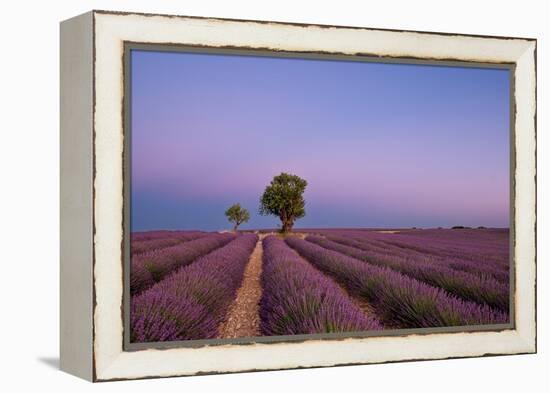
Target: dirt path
243,319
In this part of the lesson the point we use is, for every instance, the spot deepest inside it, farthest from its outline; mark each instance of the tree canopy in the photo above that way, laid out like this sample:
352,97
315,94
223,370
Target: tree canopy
237,215
283,197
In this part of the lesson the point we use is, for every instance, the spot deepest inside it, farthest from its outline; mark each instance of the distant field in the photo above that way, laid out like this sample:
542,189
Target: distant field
189,285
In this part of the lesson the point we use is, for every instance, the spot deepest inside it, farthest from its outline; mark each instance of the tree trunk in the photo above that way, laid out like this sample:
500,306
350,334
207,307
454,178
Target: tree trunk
287,226
235,227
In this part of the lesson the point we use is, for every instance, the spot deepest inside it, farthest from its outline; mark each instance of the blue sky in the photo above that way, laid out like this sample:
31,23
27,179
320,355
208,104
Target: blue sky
381,145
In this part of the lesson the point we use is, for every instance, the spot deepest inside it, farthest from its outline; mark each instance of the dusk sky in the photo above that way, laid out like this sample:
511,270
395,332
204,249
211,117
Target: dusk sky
381,145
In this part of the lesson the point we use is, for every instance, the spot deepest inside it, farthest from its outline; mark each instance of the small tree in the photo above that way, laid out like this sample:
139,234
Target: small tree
283,198
237,215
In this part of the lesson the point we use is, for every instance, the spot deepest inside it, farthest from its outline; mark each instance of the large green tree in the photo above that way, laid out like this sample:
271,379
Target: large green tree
237,215
284,198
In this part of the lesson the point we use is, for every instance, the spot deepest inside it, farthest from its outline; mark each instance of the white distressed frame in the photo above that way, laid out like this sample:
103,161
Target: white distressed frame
111,30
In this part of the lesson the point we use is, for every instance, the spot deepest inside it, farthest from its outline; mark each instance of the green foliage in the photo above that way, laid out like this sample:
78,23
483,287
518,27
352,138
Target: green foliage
283,197
237,215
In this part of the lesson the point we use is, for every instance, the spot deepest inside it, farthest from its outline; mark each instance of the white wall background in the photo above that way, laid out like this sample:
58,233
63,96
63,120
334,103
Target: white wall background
29,195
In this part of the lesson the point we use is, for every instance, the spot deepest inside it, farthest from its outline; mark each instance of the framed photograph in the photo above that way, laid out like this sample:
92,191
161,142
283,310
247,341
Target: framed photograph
246,195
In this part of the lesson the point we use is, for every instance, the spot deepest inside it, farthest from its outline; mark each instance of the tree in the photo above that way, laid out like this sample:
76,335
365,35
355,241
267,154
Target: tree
237,215
283,197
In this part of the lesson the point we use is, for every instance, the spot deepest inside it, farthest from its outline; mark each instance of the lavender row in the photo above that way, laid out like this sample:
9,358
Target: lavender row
455,263
151,235
475,259
140,247
191,303
151,267
399,299
298,299
474,252
480,289
461,243
472,245
486,237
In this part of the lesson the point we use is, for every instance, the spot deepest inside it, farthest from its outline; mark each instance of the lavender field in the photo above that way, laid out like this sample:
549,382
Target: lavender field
191,285
308,196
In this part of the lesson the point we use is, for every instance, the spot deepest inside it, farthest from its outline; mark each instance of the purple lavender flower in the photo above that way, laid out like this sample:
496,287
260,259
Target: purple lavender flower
142,246
480,289
399,299
151,267
191,303
298,299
